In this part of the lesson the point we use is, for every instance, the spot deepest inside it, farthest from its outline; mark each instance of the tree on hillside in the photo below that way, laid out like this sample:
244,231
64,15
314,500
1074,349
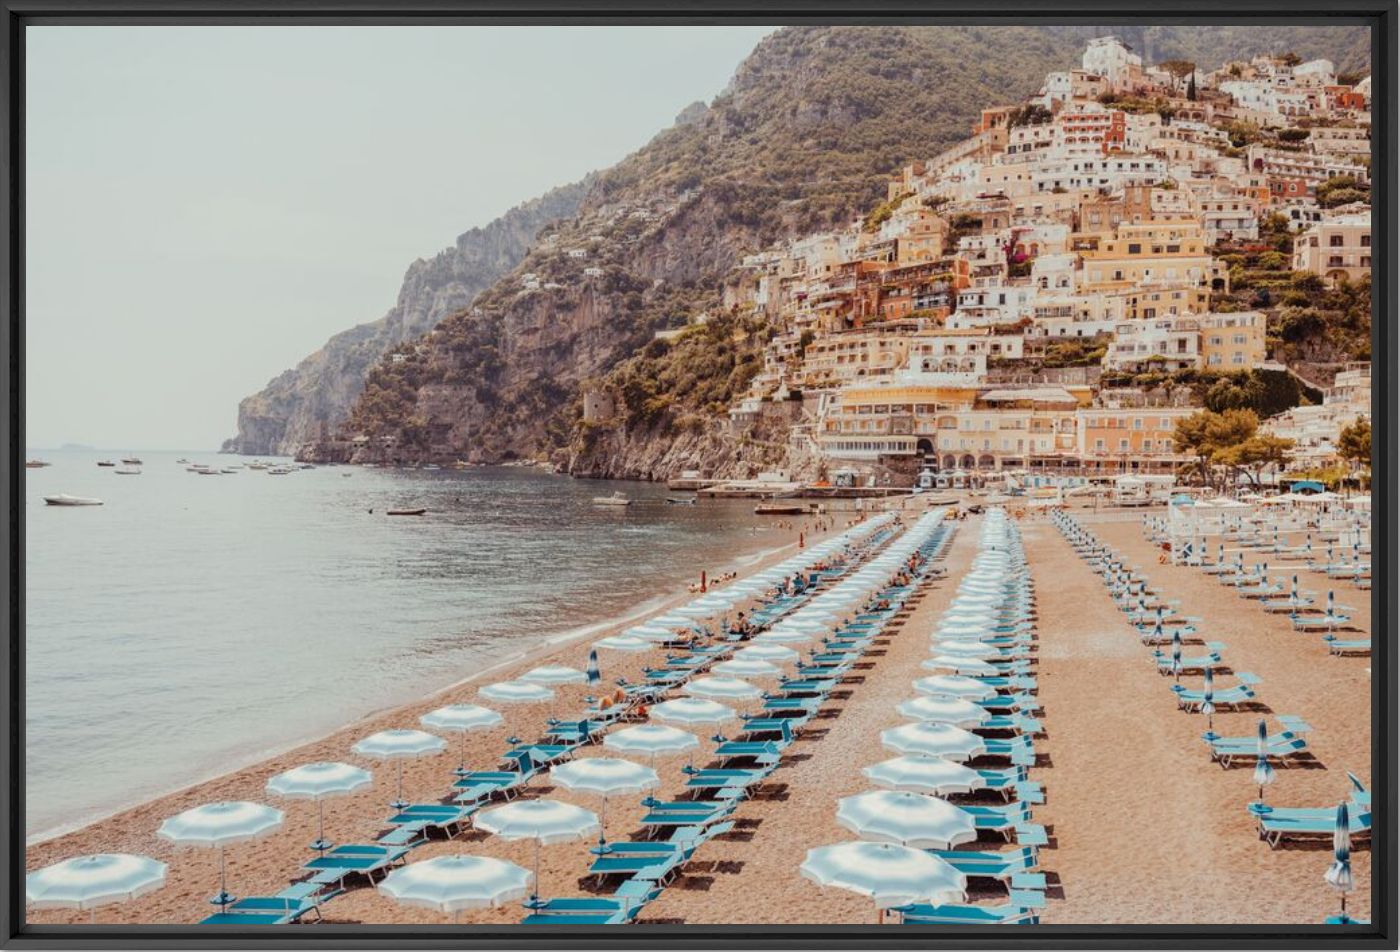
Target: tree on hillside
1179,70
1354,443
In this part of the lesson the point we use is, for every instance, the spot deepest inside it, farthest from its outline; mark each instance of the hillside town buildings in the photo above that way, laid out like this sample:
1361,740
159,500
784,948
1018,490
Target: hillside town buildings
1095,230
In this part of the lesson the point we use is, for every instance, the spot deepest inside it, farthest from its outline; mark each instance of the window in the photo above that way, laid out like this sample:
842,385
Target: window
1365,241
1335,241
1134,248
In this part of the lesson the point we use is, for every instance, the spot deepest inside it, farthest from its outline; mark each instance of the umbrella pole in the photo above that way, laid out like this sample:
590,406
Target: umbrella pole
400,803
223,896
320,845
536,896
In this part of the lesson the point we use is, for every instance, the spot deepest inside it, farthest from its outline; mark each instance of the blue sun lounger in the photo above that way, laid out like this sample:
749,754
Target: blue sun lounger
1009,914
991,864
437,816
1018,749
363,858
263,910
1280,746
711,778
785,727
1281,824
1191,700
1342,646
1192,663
763,751
998,819
685,813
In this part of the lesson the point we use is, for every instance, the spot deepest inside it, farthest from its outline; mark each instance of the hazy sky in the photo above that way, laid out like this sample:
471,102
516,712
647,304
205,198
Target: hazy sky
207,206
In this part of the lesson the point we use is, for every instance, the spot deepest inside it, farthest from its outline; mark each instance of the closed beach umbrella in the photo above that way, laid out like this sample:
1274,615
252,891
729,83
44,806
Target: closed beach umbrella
398,745
909,819
731,689
86,882
462,719
1263,771
890,875
1339,875
920,773
450,884
692,711
935,740
767,652
554,674
1208,699
1176,653
747,668
623,643
220,825
605,777
944,710
953,685
517,692
319,782
593,674
544,821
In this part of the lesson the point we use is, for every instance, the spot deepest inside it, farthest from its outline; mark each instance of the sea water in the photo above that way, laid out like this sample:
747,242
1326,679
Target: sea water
194,624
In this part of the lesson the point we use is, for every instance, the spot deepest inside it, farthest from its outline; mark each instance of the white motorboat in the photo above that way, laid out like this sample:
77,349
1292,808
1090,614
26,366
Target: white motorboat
63,499
127,471
616,499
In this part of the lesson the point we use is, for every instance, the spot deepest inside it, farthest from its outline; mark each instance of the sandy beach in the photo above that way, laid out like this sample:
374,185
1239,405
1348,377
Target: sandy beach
1143,826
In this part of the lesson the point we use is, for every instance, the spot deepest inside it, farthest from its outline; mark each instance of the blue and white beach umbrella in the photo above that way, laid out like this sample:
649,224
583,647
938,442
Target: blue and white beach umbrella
935,740
544,821
1339,875
398,745
517,692
1176,653
220,825
747,668
1263,770
651,739
920,773
86,882
554,674
462,719
692,711
959,712
730,689
625,643
768,652
593,674
319,782
953,685
909,819
604,777
450,884
890,875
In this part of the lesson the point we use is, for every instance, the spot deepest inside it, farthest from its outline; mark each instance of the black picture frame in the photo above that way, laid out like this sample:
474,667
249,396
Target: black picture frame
1380,15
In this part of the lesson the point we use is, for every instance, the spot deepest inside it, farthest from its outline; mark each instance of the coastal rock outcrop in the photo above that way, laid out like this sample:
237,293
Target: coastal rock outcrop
306,403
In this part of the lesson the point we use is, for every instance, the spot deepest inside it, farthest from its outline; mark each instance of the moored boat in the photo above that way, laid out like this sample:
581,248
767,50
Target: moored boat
127,471
407,512
106,462
132,460
616,499
36,463
63,499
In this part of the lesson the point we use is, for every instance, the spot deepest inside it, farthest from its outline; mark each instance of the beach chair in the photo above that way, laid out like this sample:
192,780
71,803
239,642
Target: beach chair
998,819
263,911
1000,865
448,818
1327,621
364,859
1281,824
1232,697
710,778
1341,646
688,813
1281,746
1011,913
1018,749
763,751
573,733
1188,663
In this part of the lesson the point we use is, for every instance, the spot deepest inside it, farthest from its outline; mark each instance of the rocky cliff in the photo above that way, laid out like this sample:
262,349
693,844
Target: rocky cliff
804,138
315,397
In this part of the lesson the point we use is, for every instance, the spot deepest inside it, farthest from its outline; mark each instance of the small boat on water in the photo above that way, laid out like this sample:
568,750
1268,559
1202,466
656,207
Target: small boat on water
132,461
432,466
63,499
36,463
106,462
780,509
347,474
257,465
228,470
280,471
127,471
673,501
407,512
180,460
616,499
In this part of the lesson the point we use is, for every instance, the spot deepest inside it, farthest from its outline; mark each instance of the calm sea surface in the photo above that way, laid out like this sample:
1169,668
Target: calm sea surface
194,623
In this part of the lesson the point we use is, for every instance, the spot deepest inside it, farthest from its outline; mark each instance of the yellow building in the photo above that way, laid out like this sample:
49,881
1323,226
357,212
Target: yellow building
1233,341
1151,253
